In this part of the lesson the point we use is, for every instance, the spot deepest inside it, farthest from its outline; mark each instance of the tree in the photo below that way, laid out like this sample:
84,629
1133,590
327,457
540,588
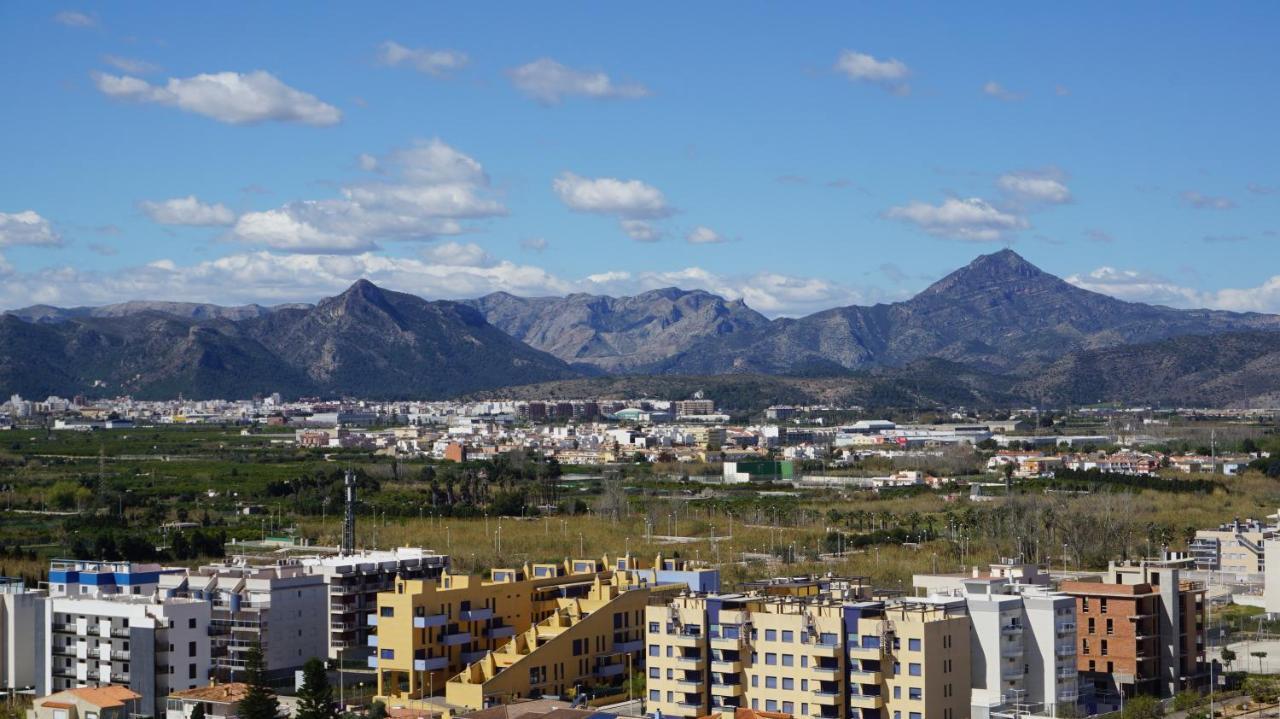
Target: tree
260,702
1262,689
315,697
198,712
1142,707
1228,656
377,710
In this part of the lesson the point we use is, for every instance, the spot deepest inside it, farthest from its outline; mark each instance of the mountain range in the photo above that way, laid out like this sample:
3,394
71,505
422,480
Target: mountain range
995,331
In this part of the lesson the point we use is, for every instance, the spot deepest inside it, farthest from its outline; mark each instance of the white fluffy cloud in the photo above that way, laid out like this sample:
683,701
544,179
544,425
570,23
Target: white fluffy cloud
449,270
422,192
972,219
641,230
1138,286
188,210
230,97
26,228
631,199
74,18
703,235
889,74
436,63
1200,201
549,82
1043,187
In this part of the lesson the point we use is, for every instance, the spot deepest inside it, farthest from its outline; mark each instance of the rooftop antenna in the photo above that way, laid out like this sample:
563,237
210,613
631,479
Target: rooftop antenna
349,517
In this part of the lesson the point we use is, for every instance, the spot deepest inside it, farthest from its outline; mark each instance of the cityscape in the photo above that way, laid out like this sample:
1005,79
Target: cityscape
663,361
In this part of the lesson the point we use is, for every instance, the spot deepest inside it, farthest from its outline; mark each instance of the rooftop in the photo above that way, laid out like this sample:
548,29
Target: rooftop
217,693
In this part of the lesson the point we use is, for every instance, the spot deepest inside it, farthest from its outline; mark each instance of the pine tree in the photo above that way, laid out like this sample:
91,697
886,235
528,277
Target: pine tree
260,701
315,697
198,712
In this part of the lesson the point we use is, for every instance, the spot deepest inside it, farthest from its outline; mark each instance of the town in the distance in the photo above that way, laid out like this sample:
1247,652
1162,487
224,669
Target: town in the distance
634,557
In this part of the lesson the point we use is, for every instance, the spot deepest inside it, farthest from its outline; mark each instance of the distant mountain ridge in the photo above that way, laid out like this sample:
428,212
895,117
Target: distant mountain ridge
618,334
998,329
365,341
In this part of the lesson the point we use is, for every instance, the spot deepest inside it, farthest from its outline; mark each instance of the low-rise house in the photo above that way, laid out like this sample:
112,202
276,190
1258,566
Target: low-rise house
220,701
105,702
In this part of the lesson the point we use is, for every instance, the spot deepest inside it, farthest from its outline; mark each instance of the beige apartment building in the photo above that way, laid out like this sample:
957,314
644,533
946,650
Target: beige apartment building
430,631
1237,547
815,656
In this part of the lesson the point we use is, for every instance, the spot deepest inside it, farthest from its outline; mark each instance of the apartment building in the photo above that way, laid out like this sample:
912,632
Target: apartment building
814,656
150,644
1022,639
431,629
282,608
23,643
354,581
589,641
1238,547
88,578
1141,630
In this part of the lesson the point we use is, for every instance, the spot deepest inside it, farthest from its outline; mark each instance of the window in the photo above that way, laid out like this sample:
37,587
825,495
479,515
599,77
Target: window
771,635
655,695
914,693
386,611
1102,605
771,705
655,673
804,685
788,683
191,623
788,660
655,627
913,645
770,658
191,649
788,635
755,681
913,669
770,682
1110,627
1104,648
1092,628
788,707
654,651
897,692
804,660
191,671
387,654
914,715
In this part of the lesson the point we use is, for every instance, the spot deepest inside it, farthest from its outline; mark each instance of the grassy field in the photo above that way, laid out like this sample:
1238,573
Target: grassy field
106,494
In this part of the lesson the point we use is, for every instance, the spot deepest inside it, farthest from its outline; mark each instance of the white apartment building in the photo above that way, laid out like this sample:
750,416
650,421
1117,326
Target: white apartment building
1023,638
22,638
151,644
280,607
354,581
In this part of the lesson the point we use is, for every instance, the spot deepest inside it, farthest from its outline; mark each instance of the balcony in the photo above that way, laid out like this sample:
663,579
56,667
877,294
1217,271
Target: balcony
62,628
1065,628
371,619
727,667
1065,672
1011,629
863,676
430,620
860,652
473,657
503,632
65,651
372,641
828,673
611,670
727,644
1011,671
687,663
726,690
686,640
1010,649
826,696
687,684
829,651
476,615
434,664
453,640
866,701
1065,650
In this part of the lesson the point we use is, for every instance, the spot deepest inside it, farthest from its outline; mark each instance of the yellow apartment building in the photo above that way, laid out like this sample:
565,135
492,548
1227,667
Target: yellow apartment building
431,630
816,656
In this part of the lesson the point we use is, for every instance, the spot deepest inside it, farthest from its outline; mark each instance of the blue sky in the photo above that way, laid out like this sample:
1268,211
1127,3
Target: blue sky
273,152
